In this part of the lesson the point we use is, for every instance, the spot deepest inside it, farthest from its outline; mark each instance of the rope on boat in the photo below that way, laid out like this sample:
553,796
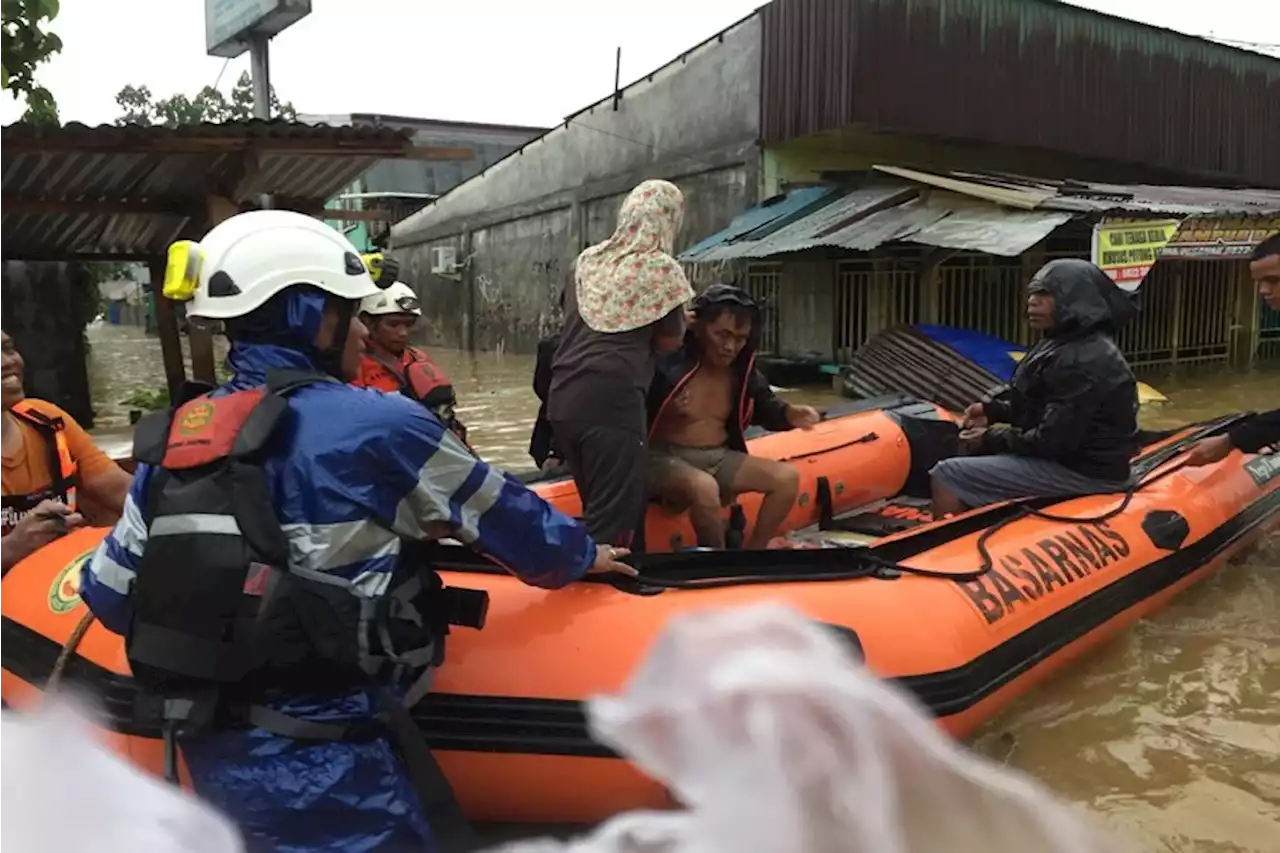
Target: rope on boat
69,649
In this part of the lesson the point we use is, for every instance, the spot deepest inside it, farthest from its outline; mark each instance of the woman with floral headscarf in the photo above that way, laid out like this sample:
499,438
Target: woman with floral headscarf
625,306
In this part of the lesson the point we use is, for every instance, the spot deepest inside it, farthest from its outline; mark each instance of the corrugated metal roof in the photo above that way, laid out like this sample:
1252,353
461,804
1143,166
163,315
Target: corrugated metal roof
904,360
117,191
766,213
987,228
864,218
1087,197
804,232
1035,74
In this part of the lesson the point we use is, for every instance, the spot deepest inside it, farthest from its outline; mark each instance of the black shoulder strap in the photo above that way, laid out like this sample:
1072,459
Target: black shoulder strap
191,389
48,427
151,436
39,420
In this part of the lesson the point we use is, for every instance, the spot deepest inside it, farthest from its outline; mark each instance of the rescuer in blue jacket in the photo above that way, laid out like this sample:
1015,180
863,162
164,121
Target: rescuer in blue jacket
290,746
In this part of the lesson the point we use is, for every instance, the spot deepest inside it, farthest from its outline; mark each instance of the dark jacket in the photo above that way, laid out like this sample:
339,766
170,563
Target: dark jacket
541,442
757,404
1256,432
1073,398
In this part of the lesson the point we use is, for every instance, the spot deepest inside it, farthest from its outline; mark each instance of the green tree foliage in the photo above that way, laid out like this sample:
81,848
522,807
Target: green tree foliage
27,44
139,106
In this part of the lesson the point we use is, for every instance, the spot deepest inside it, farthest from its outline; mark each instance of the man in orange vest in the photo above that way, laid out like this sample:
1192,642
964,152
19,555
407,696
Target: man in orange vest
48,457
390,364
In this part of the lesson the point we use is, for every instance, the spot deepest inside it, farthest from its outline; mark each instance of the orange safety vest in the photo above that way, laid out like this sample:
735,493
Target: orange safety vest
66,473
418,378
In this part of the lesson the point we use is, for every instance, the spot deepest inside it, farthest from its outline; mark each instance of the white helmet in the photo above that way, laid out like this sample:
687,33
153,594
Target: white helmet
249,258
399,298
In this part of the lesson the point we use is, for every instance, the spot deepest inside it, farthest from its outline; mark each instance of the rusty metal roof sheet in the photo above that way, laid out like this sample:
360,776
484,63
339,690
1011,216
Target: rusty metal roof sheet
111,192
905,360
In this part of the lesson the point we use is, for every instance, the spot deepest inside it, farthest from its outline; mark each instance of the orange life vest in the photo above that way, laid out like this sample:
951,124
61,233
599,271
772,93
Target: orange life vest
418,378
62,466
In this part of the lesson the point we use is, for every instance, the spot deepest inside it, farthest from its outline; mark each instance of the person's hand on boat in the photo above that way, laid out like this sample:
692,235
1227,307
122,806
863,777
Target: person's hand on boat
975,417
971,439
803,417
608,560
48,521
1206,451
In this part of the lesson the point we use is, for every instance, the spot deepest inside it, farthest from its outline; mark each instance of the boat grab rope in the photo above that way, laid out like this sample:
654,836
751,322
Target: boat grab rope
861,563
68,651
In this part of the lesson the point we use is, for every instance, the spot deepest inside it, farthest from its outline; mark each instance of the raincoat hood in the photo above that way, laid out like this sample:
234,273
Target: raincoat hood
631,279
280,335
1085,298
728,295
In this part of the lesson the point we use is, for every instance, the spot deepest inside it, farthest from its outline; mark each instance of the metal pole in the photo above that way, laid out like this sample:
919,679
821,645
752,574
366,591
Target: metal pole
260,70
617,78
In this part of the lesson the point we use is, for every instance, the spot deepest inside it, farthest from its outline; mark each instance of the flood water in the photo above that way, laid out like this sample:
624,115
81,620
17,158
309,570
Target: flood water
1169,735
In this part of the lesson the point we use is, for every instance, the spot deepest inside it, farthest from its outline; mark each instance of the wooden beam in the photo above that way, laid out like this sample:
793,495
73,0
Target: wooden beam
175,371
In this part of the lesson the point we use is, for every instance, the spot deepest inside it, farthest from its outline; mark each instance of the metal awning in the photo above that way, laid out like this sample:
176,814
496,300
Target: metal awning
113,193
863,219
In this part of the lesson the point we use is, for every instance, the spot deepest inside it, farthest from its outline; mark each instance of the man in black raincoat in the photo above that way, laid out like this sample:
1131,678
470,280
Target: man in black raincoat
1068,422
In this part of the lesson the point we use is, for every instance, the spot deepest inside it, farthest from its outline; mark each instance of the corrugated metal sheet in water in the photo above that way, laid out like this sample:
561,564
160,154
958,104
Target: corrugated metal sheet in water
905,361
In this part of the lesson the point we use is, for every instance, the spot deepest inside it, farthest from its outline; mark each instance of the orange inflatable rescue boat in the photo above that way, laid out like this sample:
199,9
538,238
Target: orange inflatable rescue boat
967,613
862,445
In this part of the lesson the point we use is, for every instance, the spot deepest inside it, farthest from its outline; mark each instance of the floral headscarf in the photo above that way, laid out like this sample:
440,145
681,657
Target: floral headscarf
631,280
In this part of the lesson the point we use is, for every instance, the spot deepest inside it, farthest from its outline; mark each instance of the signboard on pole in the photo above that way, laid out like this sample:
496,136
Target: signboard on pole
1215,239
229,23
1126,249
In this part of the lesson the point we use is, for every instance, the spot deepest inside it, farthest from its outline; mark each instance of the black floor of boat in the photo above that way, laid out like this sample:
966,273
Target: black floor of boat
893,516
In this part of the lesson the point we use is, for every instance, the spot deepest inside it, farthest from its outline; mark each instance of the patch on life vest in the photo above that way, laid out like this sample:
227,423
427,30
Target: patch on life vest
196,418
64,594
205,429
1264,469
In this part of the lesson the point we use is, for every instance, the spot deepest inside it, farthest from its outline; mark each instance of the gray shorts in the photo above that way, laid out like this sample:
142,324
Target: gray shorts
983,480
722,463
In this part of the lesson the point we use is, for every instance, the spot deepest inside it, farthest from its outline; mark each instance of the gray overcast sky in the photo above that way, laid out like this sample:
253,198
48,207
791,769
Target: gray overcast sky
506,61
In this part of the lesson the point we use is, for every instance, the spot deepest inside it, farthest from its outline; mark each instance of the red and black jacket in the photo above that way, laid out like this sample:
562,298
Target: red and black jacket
757,404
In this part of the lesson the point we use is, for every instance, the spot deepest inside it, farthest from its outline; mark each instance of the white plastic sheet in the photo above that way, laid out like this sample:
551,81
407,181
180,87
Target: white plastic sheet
779,743
63,791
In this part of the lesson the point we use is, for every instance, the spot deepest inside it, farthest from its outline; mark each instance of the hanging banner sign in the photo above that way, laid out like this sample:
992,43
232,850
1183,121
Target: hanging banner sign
1214,239
1126,250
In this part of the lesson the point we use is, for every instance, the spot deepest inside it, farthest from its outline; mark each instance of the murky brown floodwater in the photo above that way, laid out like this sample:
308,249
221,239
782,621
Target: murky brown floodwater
1170,735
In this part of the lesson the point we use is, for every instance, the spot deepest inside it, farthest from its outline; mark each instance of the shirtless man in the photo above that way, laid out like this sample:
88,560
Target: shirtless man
703,398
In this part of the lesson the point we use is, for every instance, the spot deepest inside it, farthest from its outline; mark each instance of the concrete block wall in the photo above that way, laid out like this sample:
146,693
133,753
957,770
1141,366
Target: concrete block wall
518,226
